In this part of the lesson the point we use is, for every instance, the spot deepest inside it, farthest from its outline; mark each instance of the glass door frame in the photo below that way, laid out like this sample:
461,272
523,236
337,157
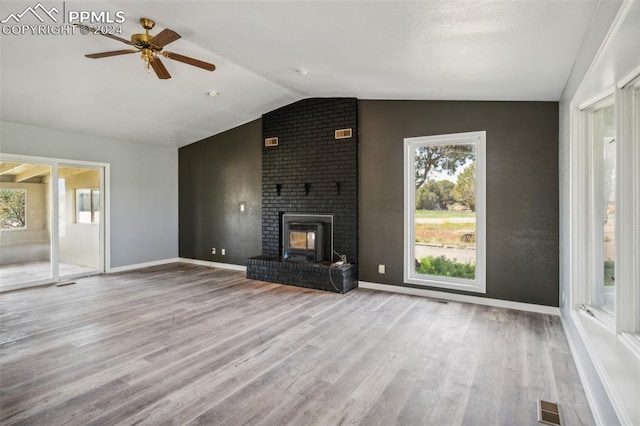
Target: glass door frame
104,240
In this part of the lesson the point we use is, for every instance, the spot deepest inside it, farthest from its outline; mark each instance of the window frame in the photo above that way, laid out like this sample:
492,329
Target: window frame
478,285
626,320
595,249
628,295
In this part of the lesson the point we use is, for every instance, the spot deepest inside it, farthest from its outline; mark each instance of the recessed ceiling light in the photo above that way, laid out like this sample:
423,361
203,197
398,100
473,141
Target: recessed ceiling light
302,72
212,93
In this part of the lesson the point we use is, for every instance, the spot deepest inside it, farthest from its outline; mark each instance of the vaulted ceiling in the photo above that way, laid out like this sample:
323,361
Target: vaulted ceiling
432,49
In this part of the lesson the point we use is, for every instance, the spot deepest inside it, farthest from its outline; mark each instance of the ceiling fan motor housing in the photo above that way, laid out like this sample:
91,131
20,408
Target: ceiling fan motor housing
142,41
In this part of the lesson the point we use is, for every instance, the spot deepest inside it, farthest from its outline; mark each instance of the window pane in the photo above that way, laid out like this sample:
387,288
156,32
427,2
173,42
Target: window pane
62,207
83,205
95,205
605,208
13,208
445,217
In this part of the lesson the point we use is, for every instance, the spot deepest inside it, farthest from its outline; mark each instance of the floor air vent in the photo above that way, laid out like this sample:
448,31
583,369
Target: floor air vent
549,413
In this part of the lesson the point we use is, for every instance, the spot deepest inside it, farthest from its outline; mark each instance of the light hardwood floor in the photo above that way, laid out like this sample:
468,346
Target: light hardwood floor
185,344
15,274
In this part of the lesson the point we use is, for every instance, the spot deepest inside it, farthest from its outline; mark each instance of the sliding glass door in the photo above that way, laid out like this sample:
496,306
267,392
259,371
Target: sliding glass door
25,223
51,220
79,208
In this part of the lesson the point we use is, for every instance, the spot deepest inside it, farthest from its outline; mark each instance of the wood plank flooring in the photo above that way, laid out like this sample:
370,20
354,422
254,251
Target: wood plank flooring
13,275
185,344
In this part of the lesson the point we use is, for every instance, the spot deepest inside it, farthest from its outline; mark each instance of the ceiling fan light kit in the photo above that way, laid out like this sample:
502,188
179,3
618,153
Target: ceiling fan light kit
151,48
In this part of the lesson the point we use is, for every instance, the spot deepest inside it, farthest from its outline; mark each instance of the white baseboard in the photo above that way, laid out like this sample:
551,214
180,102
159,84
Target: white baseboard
178,259
141,265
549,310
231,266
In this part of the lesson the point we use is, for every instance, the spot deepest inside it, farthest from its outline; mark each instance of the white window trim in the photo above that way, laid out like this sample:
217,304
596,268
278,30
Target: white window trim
594,248
626,322
479,284
628,210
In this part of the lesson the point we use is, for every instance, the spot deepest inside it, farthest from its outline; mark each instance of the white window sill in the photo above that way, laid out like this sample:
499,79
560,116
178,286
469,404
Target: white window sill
632,340
617,364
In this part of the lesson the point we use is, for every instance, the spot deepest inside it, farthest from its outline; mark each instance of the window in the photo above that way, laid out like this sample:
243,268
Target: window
62,207
445,211
87,205
13,203
603,206
605,210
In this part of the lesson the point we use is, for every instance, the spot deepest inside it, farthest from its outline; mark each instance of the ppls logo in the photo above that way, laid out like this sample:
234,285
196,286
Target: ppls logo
60,19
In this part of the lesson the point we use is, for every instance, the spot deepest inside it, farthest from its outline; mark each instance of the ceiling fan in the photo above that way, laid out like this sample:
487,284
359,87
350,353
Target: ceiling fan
150,48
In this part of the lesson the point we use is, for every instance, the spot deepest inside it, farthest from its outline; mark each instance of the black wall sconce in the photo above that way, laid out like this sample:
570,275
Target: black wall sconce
307,186
278,188
338,188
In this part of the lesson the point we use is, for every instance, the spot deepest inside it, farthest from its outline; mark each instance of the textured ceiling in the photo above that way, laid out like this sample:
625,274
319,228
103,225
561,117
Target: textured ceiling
439,49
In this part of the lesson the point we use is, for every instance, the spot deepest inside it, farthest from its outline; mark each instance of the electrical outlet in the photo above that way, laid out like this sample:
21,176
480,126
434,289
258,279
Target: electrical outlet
381,269
224,252
213,250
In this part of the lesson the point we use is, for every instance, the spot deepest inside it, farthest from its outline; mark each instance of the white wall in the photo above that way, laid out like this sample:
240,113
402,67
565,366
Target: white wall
581,81
144,186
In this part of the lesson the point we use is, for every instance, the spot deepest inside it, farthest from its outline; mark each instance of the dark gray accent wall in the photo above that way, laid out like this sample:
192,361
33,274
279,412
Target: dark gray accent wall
522,189
216,175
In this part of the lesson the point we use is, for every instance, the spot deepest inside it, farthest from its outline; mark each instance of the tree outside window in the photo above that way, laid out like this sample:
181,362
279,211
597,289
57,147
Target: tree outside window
13,208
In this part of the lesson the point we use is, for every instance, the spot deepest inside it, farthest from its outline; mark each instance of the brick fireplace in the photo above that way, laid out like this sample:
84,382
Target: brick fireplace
313,170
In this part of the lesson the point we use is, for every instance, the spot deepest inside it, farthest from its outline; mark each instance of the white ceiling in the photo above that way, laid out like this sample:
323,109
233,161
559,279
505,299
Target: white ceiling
437,49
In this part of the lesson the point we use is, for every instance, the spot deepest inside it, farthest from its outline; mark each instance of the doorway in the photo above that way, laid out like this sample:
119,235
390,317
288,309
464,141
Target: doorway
52,220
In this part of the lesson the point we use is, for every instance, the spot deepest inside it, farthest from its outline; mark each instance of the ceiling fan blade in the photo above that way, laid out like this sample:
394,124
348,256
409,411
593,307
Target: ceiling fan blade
190,61
85,29
112,53
164,37
160,69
